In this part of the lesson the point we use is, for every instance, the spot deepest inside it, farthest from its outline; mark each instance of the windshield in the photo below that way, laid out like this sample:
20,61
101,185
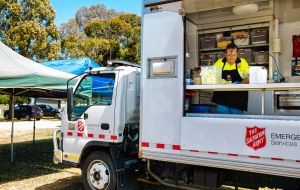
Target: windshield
96,89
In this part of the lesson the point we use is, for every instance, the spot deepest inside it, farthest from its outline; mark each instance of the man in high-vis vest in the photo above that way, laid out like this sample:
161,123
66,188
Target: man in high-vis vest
234,70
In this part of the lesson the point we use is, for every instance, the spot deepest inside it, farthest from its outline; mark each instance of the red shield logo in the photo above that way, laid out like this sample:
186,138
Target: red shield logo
255,137
80,125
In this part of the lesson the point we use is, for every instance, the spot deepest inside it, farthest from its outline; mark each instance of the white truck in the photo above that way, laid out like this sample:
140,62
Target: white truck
122,119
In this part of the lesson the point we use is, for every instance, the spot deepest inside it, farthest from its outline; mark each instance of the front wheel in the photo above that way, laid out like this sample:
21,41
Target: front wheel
98,172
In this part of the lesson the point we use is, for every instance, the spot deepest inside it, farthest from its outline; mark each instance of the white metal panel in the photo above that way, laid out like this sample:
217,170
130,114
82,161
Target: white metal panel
264,166
162,97
229,135
132,98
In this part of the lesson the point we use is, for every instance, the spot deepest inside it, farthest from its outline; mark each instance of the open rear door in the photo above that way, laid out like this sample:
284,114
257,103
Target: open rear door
162,76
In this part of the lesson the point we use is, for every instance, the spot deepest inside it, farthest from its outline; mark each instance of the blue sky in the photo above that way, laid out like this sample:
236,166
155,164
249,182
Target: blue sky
66,9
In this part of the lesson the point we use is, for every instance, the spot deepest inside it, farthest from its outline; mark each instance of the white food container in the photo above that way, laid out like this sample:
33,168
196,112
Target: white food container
258,75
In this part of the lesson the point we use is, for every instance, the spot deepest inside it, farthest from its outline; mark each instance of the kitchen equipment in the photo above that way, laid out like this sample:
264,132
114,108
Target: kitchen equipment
258,75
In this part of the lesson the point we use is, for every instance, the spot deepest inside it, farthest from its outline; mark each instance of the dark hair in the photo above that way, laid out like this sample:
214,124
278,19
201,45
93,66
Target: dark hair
232,45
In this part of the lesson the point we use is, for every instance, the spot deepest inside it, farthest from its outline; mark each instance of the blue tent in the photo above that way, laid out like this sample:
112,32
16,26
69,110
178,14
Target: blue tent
74,66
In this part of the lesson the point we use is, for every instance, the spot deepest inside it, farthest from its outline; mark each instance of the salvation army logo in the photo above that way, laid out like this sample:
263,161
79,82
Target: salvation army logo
80,126
255,137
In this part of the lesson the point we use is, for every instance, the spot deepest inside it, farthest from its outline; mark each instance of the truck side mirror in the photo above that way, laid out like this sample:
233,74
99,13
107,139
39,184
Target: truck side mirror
69,102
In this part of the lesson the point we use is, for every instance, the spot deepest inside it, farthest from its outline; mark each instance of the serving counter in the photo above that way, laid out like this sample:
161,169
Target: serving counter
247,87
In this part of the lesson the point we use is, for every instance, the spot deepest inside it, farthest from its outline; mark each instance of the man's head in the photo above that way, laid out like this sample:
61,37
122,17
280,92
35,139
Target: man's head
231,53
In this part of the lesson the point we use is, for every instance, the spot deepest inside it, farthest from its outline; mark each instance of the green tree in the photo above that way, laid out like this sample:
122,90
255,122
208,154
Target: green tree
131,46
27,26
124,29
100,49
132,19
72,47
71,28
4,99
107,35
86,14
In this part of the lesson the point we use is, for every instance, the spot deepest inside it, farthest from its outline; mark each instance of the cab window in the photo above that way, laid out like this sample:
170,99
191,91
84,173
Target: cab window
96,89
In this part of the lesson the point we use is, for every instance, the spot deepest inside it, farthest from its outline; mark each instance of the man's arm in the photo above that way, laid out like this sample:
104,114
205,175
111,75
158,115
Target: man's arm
245,81
245,70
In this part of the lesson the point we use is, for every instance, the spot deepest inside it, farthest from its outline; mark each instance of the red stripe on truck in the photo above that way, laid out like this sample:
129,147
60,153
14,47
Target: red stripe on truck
90,135
232,154
113,137
145,144
70,134
101,136
253,156
279,159
176,147
80,134
212,153
160,145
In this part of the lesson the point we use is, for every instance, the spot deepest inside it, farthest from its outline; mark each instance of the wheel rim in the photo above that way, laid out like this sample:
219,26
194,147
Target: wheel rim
98,175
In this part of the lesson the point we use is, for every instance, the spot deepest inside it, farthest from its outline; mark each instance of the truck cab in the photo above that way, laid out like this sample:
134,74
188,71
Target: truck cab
102,116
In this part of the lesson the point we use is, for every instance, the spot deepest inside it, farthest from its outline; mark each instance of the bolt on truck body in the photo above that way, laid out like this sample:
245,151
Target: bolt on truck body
120,117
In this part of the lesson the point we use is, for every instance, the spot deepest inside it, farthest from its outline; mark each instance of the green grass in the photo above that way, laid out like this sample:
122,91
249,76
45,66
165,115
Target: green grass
31,160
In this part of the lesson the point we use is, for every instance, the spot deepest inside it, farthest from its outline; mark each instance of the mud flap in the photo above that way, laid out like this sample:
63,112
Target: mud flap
126,179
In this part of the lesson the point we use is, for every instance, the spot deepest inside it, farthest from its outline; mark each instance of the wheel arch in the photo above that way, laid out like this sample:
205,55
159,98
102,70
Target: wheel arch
93,146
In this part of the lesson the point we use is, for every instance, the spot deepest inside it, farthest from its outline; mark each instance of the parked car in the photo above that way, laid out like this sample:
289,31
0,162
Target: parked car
26,111
49,111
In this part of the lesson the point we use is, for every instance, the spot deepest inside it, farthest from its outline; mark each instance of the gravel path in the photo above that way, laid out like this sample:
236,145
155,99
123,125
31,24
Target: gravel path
24,127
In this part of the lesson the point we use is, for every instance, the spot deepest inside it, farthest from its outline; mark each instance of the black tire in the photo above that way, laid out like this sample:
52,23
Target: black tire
102,162
6,117
38,119
27,117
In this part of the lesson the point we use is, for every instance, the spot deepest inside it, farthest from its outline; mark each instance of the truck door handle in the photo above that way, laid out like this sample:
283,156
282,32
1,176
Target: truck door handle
85,116
104,126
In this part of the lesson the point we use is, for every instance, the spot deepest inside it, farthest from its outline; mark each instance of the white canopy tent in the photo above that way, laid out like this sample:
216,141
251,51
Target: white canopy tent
20,76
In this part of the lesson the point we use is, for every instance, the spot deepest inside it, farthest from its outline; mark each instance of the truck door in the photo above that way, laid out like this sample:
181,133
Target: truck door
92,116
162,75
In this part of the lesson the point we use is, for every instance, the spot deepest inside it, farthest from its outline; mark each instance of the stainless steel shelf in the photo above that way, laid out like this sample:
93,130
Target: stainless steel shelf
250,64
240,47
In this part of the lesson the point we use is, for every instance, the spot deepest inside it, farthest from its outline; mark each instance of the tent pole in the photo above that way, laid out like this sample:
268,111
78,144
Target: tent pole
33,141
12,127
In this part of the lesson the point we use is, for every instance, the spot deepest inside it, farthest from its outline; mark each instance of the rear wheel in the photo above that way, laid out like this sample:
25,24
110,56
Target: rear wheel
98,172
